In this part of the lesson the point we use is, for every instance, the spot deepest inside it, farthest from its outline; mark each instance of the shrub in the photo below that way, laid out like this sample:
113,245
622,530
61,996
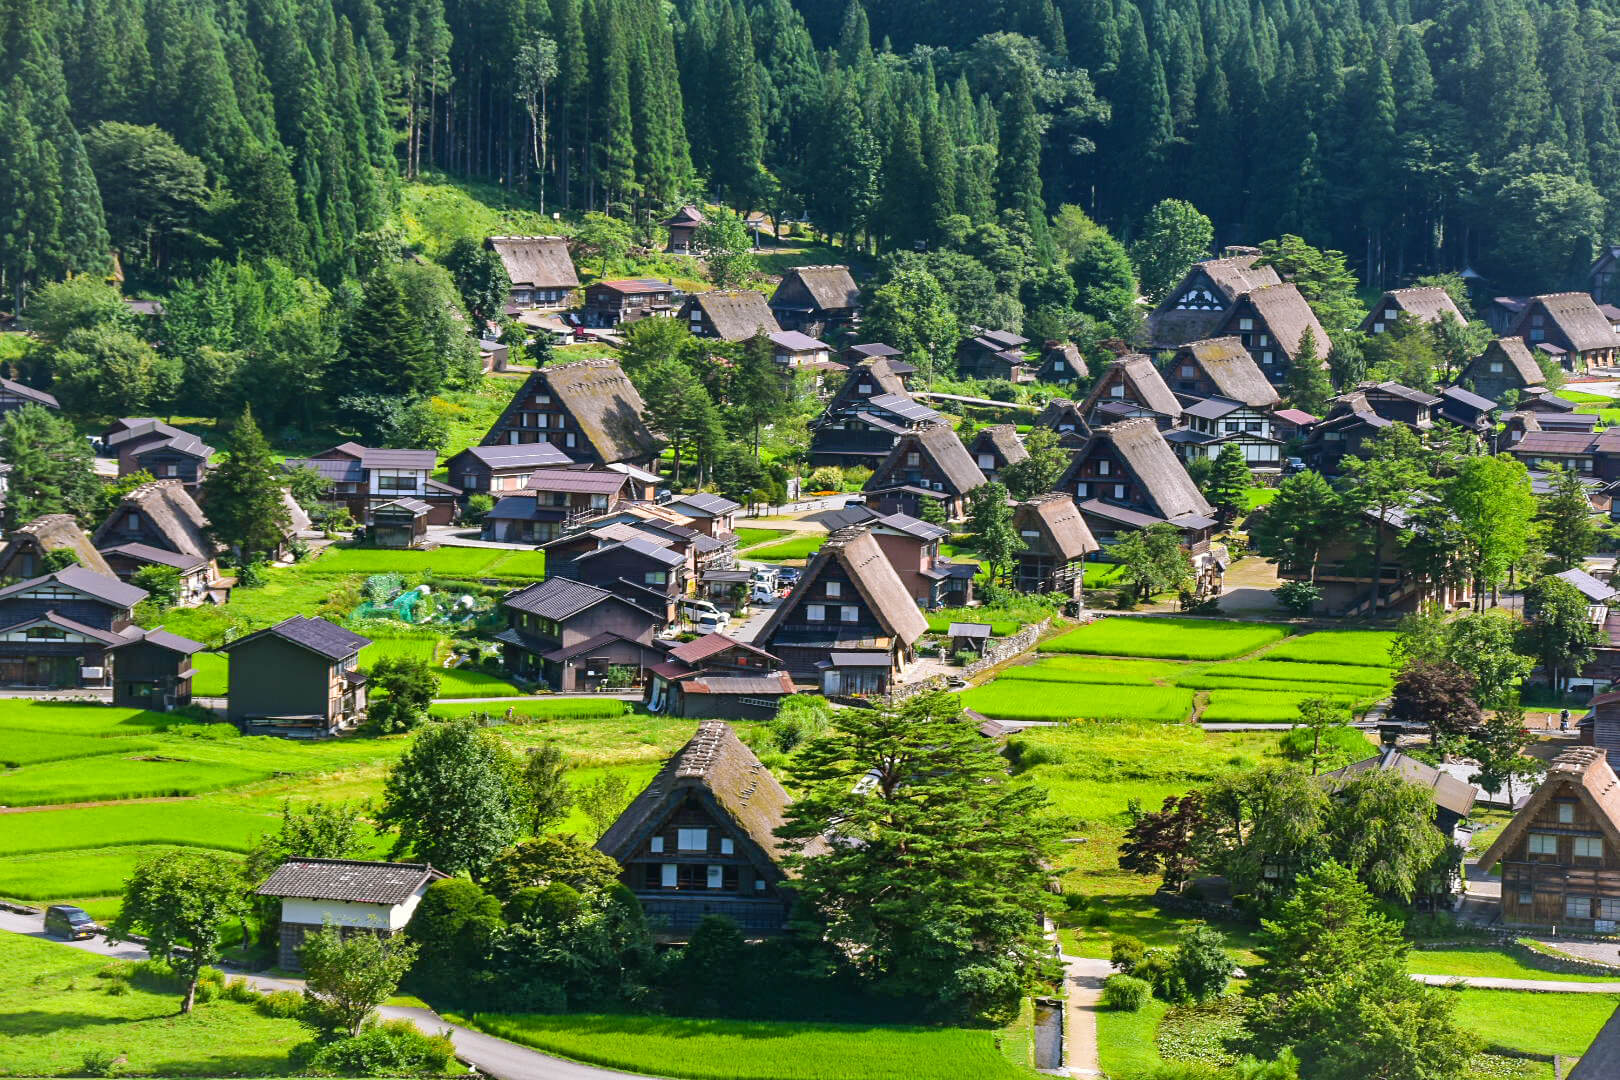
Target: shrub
392,1048
826,478
1298,597
964,657
282,1004
1127,953
100,1063
477,506
251,575
118,988
1125,993
238,989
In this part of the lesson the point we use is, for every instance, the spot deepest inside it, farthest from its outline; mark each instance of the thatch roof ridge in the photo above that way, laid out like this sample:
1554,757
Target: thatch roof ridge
171,510
1587,767
875,579
715,762
1512,351
1423,302
737,314
1576,314
942,446
1288,315
1232,370
57,532
832,286
536,261
604,403
1140,443
1001,439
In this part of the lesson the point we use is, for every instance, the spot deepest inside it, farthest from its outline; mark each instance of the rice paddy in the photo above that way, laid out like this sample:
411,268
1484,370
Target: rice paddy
1170,639
1162,672
800,547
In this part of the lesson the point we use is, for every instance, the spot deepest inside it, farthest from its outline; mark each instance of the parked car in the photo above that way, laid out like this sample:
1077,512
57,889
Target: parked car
1293,465
788,575
712,622
67,921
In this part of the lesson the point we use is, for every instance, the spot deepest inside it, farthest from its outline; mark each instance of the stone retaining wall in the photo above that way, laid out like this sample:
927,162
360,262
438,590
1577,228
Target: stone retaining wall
999,653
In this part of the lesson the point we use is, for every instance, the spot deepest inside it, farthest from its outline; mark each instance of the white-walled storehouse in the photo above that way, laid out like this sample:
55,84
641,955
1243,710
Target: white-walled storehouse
353,895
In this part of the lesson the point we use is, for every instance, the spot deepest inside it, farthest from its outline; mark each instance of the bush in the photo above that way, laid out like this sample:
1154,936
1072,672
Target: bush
118,988
477,506
282,1004
826,478
1127,953
1298,597
1125,993
964,657
238,989
392,1048
100,1063
250,575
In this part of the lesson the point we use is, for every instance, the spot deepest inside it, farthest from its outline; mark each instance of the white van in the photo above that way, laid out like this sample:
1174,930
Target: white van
700,612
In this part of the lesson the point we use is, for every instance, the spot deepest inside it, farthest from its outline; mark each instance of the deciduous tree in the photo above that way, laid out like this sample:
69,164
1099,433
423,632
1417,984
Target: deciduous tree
1564,520
349,975
454,798
401,690
1439,695
550,795
1173,236
991,523
52,468
1558,630
181,901
1041,470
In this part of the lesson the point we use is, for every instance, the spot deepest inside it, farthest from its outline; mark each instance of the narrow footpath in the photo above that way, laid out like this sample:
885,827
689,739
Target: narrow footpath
1083,977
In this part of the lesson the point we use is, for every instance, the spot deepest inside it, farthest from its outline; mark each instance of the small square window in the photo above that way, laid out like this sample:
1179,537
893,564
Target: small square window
849,613
1524,897
656,845
1577,907
834,588
727,846
666,876
1566,813
1588,847
692,839
815,612
1245,324
1543,844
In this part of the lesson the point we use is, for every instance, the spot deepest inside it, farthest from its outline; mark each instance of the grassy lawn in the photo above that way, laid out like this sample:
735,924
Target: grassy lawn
542,708
1125,1046
1258,707
1256,497
190,822
1171,639
1535,1023
54,1011
737,1050
1101,575
800,547
747,538
101,872
1486,962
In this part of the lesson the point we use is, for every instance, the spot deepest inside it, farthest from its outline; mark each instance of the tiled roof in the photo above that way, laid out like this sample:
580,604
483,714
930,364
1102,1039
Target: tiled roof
313,633
518,455
583,481
148,554
106,589
706,503
555,598
349,880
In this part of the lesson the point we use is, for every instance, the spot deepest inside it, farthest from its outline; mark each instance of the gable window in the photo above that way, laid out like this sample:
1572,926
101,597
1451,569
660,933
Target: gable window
913,458
542,419
1245,324
1588,847
1029,534
692,839
655,577
815,612
1102,468
834,588
1117,390
1265,357
1082,489
1543,844
570,440
717,877
1496,367
666,875
1119,491
1389,313
1566,812
849,613
1264,340
728,846
987,461
656,845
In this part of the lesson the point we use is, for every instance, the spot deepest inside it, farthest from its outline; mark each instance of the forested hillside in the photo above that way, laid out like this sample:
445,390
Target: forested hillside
1416,135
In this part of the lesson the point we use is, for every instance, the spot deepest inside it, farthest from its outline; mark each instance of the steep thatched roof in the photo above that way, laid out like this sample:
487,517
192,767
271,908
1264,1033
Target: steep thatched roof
54,532
1575,315
939,444
855,549
1426,303
536,262
602,402
714,767
831,287
1231,368
1141,446
1001,440
170,511
1582,772
1058,519
1186,315
737,314
1513,354
1143,385
1074,362
1287,315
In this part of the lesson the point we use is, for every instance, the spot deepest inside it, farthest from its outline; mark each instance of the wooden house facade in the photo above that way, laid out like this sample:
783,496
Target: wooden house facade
848,627
994,354
1559,858
152,669
866,417
929,463
491,470
14,395
994,448
718,677
58,631
1056,542
682,226
1203,298
362,478
300,677
817,300
1062,364
1272,323
24,555
1506,365
625,300
149,445
1129,387
1064,417
701,840
1126,477
567,634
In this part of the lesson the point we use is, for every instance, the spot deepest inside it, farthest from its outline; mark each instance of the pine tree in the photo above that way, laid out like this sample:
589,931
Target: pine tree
1307,386
246,510
739,132
1229,481
52,468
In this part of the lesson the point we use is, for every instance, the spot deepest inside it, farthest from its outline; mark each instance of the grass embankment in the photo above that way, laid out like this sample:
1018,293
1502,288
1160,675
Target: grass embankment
1483,961
745,1050
55,1011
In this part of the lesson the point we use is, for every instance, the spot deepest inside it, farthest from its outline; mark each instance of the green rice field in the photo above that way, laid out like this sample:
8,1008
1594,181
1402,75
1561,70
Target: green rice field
738,1050
1171,639
747,538
455,562
543,708
1134,685
1369,648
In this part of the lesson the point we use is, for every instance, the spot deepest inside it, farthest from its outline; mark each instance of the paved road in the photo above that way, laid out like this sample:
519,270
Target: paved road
1084,978
1544,986
497,1057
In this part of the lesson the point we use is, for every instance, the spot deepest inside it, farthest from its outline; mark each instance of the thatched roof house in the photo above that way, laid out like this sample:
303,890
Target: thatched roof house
929,462
728,314
1133,384
1221,367
26,548
1199,303
589,409
162,514
701,839
1426,304
540,267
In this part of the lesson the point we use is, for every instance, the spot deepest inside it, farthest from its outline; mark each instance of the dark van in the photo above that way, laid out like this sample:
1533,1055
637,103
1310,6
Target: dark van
67,921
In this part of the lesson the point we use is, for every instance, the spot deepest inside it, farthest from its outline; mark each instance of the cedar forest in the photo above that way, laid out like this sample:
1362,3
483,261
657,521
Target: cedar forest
1416,135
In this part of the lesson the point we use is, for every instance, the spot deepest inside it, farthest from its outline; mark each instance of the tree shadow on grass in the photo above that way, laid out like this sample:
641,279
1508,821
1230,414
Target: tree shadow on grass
42,1022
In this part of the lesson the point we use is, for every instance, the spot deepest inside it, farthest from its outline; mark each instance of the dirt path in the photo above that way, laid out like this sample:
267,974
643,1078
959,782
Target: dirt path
1083,978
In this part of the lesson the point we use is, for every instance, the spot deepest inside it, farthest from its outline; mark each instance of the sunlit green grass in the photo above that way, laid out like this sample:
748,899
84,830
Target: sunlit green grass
1170,639
742,1050
1365,647
62,875
1015,699
1535,1023
191,822
800,547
